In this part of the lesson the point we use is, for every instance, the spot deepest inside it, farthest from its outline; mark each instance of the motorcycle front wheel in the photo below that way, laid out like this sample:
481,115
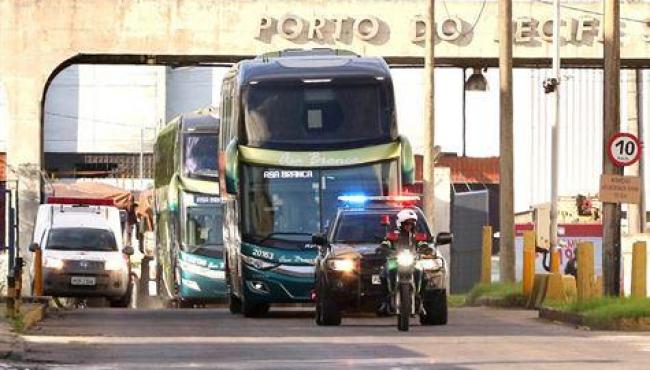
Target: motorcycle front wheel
404,307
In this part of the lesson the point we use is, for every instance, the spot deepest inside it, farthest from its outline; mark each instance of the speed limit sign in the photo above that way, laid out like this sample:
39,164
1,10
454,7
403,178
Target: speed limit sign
624,149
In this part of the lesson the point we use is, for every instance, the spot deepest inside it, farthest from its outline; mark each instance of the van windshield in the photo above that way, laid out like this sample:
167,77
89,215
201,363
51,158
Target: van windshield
81,239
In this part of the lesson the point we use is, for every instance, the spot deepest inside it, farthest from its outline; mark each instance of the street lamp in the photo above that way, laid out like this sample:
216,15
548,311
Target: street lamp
475,82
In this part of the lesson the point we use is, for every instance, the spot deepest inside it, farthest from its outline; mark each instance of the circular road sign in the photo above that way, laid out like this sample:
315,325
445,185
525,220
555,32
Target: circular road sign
624,149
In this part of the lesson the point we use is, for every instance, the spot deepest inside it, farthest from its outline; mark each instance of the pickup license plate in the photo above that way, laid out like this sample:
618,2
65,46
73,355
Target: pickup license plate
376,279
82,280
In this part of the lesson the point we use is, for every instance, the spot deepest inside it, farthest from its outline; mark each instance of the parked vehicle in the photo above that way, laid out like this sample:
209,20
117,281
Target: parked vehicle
82,250
353,269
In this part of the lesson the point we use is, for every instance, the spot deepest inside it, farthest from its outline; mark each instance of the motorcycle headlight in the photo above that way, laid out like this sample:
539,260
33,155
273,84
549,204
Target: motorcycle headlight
342,264
257,263
114,264
430,264
405,258
53,263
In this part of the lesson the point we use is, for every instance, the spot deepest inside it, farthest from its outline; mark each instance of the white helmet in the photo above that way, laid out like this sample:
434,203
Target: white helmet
406,214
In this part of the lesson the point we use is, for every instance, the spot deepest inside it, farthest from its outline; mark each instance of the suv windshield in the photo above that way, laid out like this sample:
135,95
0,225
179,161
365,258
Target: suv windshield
200,155
81,239
293,114
281,208
366,227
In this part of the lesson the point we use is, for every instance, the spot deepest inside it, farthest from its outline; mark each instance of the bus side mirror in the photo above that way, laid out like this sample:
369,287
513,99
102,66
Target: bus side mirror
232,167
444,238
318,239
34,247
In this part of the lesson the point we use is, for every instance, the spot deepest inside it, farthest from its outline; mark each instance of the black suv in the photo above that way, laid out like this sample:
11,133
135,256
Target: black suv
349,265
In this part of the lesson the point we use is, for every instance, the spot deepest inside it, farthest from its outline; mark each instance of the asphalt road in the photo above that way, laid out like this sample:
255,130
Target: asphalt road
476,338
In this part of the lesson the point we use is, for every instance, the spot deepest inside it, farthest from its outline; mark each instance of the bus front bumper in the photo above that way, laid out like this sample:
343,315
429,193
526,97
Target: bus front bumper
282,284
198,287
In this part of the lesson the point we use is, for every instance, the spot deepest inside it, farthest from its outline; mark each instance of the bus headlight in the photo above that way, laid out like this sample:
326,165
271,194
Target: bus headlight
405,258
257,263
53,263
341,264
430,264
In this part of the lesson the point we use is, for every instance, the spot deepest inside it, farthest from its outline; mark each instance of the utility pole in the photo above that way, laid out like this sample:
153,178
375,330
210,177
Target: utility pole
555,131
611,125
506,188
640,112
429,122
635,212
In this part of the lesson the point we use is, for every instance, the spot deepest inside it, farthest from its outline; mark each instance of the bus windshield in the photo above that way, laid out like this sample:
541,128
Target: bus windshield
290,114
202,227
200,155
282,207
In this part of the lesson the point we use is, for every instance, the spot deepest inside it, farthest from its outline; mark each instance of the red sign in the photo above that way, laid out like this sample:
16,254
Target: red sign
624,149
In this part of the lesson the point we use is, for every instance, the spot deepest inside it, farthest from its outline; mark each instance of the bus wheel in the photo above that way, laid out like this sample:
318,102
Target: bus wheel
254,309
234,304
184,303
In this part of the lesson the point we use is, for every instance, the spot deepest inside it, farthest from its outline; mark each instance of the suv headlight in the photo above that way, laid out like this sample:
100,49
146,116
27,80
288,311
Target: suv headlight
428,264
257,263
114,264
341,264
405,258
53,263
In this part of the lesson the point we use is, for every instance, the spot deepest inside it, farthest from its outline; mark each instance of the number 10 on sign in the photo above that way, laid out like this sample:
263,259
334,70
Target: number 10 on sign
624,149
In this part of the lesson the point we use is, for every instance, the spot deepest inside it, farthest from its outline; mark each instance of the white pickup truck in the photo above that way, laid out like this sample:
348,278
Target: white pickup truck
82,250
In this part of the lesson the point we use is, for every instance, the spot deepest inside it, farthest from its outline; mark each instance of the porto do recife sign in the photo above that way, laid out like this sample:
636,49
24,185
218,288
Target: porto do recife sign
623,149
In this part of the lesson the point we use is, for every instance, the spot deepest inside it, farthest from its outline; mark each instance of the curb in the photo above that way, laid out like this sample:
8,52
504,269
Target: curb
561,316
513,303
639,325
11,343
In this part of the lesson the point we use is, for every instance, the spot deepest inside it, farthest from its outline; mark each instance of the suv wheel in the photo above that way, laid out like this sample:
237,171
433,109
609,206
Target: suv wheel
327,312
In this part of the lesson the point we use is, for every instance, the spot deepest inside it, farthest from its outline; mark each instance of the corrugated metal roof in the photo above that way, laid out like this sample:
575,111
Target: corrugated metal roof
472,170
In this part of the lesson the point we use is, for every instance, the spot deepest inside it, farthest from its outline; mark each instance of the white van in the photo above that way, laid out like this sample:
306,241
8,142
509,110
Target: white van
82,249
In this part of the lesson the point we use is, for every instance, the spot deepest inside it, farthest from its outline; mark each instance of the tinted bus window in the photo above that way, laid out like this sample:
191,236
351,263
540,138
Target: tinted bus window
315,115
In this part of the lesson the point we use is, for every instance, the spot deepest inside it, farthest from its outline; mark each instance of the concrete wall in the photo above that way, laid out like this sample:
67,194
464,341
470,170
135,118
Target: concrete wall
104,108
191,88
4,118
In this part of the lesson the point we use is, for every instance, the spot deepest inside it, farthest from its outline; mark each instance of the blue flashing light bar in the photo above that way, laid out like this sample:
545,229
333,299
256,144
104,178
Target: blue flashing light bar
354,198
360,199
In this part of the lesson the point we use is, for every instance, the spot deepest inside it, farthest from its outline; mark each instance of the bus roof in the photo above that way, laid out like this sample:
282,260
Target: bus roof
315,63
205,120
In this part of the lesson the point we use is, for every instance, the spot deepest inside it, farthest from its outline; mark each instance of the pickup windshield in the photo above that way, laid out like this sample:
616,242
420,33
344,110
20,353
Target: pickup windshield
81,239
361,227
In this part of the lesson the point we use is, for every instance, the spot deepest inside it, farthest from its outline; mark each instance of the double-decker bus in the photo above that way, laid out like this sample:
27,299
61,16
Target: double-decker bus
299,128
188,211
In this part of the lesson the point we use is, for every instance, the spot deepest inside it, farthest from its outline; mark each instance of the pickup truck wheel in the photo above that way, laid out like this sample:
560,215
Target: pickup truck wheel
327,312
435,309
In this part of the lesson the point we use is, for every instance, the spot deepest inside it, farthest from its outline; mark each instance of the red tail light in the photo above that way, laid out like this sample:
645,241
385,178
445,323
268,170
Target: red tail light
421,237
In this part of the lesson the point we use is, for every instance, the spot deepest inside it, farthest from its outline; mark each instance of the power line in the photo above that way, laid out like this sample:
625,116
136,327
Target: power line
115,123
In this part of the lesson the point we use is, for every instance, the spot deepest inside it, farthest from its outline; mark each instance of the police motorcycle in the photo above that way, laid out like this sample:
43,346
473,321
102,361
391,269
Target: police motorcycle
412,283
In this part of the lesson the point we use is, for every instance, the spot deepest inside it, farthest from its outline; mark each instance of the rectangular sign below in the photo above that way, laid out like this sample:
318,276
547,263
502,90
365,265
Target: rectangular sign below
620,189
